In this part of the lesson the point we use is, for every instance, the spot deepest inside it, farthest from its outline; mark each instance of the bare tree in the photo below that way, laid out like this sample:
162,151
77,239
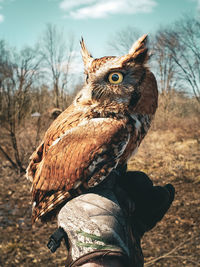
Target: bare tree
176,54
57,56
163,64
183,41
17,75
122,40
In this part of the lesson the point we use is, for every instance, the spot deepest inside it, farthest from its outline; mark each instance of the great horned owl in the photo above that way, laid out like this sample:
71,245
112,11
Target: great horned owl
98,133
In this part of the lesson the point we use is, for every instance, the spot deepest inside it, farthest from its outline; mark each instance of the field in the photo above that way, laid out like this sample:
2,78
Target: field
169,154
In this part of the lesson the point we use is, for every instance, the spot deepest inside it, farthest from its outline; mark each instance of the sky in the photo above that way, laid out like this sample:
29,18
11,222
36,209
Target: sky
23,21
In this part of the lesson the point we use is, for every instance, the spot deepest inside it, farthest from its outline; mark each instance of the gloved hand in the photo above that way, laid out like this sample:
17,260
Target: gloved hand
97,228
151,202
110,220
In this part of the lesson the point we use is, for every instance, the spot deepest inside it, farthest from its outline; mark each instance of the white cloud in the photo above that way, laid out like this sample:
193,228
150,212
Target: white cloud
81,9
197,2
1,18
68,4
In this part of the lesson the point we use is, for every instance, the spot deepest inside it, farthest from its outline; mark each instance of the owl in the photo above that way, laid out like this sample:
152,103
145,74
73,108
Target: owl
98,133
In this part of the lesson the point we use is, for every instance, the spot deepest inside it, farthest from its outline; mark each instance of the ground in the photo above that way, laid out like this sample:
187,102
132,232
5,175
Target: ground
167,157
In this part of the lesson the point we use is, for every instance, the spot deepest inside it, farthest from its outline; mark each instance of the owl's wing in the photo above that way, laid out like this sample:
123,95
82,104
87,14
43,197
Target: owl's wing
82,156
69,118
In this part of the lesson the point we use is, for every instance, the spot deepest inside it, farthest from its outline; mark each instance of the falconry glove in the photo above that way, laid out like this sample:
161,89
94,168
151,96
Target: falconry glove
151,202
98,228
110,220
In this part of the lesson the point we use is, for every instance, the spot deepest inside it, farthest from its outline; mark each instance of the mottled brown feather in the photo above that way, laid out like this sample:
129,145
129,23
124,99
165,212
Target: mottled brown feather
70,159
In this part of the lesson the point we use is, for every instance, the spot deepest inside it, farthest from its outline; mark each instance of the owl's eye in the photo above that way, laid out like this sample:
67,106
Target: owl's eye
115,77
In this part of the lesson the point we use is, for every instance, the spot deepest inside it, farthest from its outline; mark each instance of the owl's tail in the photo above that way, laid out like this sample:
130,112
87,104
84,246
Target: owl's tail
53,201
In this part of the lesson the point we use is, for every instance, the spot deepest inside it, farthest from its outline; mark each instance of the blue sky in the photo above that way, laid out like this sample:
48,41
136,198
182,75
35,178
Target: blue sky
23,21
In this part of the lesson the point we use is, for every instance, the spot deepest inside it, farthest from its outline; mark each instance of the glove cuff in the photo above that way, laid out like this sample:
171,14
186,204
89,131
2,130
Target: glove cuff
100,255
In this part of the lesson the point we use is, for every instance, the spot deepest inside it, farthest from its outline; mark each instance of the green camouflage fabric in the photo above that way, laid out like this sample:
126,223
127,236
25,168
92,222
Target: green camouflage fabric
98,225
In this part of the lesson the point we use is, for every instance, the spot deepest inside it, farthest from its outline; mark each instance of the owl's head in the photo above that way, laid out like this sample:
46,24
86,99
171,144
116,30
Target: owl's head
122,80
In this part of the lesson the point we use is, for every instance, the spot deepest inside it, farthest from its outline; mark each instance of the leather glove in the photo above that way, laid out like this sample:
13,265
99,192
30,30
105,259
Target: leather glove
151,202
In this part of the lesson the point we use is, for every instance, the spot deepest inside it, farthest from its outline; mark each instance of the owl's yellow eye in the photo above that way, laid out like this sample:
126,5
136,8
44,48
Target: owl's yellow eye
115,77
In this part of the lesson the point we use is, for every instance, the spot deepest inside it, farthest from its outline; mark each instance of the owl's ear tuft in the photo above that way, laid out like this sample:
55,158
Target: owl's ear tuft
87,57
138,52
141,43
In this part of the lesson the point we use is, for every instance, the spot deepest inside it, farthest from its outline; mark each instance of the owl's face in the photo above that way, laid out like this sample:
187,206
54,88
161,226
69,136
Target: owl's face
115,79
111,79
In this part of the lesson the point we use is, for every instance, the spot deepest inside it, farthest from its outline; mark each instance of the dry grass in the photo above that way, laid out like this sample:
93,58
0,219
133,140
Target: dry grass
169,157
169,154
